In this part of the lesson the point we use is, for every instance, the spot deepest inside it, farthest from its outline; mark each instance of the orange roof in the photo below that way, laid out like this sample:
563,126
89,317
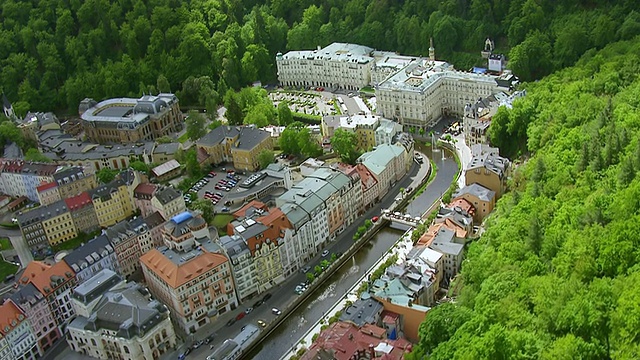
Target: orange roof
35,268
46,186
243,210
464,204
461,233
177,275
433,230
10,317
41,274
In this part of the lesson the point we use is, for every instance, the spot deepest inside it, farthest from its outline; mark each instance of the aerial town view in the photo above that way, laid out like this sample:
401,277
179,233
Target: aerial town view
351,180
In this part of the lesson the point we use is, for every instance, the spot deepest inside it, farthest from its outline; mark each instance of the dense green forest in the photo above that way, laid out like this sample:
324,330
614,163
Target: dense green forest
557,275
54,53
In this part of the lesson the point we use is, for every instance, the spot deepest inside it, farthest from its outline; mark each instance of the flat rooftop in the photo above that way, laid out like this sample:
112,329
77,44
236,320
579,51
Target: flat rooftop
118,111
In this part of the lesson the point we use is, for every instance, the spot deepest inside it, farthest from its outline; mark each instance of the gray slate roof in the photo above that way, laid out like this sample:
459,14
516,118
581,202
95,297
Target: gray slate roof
167,195
248,136
476,190
93,251
362,312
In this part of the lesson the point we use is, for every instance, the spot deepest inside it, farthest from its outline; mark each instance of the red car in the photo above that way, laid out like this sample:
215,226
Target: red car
375,219
240,316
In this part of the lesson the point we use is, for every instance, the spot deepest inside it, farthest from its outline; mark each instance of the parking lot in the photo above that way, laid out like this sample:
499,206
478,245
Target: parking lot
216,187
320,103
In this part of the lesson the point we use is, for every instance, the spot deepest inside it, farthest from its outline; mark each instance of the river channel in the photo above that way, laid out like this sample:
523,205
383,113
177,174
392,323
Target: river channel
300,321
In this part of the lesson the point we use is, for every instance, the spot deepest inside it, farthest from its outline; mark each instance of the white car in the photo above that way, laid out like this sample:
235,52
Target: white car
325,253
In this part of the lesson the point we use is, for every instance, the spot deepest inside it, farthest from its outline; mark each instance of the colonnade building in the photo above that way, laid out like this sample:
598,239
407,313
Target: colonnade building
125,120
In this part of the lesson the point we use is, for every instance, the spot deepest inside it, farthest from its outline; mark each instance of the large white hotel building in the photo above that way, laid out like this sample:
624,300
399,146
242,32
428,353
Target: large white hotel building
414,91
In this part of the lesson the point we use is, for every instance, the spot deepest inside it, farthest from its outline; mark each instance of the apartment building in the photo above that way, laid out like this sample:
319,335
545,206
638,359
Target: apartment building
113,202
168,201
488,169
343,195
339,65
55,283
387,163
126,120
67,182
300,204
119,321
483,200
387,131
263,231
364,126
48,193
190,274
15,328
131,239
242,265
83,213
142,195
47,225
40,317
237,144
19,178
90,258
357,195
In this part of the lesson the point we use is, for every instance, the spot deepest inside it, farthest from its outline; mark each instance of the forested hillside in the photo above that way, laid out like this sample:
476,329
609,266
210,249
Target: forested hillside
557,274
53,53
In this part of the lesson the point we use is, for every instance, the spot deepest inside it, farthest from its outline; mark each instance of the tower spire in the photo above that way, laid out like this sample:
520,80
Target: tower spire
432,50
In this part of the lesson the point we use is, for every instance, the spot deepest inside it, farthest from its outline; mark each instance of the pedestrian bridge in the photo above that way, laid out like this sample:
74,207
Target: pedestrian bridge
401,221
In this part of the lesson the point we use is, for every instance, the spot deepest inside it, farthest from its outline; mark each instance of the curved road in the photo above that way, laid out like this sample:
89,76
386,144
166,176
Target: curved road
299,322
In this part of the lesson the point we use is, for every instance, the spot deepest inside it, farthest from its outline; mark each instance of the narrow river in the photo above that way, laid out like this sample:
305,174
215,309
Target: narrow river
300,321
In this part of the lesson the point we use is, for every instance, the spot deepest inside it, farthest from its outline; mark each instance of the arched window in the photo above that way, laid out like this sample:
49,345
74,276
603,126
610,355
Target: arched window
126,349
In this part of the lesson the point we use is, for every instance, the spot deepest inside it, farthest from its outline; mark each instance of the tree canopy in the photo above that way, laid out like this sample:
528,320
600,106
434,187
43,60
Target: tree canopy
344,144
56,53
556,274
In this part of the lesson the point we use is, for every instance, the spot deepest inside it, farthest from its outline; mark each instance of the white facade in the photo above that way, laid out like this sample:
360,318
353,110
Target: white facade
347,66
425,91
242,265
386,131
105,344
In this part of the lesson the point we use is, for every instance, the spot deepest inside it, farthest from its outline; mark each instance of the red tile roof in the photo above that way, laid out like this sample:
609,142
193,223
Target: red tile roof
368,179
47,186
10,317
243,210
343,340
78,201
145,189
41,275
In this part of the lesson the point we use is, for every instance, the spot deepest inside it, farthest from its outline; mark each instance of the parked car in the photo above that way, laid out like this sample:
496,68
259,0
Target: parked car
248,310
257,303
225,209
305,269
266,297
262,323
276,311
241,315
375,219
325,253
